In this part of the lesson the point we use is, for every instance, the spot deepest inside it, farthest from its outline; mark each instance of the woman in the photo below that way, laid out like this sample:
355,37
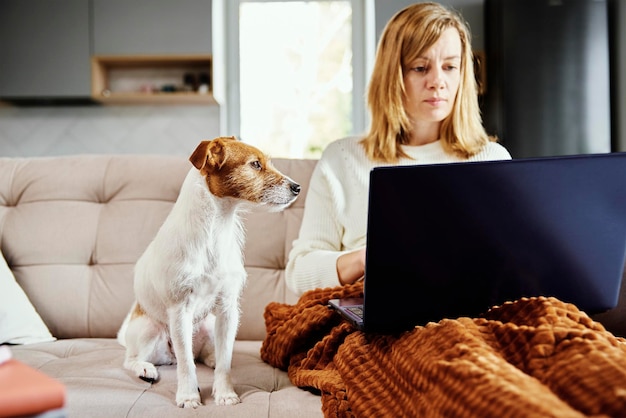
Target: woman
424,106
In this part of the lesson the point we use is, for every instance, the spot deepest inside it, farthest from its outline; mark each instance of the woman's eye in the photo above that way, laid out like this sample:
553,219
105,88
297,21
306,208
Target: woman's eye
256,165
419,69
450,67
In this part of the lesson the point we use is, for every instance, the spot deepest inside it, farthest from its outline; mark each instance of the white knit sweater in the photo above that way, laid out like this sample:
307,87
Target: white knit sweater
335,215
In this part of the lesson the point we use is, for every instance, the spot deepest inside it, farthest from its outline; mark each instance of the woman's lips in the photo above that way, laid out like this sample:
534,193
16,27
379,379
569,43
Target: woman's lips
435,101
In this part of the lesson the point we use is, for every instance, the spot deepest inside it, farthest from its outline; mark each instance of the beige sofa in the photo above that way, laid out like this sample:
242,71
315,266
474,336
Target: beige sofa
71,229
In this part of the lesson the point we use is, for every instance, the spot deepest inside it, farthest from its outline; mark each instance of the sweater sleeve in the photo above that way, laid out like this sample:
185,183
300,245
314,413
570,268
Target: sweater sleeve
312,261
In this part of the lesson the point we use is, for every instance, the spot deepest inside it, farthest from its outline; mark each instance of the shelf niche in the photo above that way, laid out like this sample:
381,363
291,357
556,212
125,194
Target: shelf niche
141,79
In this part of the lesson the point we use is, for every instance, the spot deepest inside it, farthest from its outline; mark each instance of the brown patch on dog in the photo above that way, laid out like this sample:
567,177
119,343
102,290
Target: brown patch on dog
137,312
235,169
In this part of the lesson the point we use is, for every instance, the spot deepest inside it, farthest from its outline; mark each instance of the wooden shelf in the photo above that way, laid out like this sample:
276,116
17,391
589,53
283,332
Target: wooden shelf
156,98
141,79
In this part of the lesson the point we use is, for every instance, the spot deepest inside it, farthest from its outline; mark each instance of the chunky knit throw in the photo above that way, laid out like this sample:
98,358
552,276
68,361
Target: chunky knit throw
535,357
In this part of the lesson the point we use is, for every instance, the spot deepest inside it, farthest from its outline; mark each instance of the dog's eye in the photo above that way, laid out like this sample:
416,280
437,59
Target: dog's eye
256,165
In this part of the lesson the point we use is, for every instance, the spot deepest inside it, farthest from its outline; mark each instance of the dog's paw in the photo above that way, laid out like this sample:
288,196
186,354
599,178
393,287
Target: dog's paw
223,390
228,398
188,400
145,371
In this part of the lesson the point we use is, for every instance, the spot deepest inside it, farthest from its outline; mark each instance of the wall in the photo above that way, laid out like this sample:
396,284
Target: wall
62,130
115,27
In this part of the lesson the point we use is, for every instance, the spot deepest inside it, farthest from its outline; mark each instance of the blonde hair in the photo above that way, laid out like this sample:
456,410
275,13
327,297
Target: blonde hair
408,35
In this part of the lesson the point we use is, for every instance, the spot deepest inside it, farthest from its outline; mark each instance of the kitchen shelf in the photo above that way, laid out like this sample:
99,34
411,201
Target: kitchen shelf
141,79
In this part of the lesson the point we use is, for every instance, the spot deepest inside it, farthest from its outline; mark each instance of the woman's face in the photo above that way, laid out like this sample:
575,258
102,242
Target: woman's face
432,81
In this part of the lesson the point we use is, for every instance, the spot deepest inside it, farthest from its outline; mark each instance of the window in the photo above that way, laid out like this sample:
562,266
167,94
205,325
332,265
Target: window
297,80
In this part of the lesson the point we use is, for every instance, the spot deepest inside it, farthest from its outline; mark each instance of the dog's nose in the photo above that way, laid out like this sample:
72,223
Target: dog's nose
295,188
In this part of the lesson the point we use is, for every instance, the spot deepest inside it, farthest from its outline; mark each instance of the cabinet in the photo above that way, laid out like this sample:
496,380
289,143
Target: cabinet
151,27
142,47
76,49
44,49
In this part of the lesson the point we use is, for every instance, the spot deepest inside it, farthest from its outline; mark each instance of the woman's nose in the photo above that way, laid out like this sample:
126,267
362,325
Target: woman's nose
435,79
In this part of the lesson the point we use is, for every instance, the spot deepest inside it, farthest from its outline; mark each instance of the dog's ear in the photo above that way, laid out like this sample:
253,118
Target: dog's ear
199,156
210,155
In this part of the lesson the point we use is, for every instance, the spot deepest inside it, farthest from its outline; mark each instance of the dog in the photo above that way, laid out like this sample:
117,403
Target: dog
189,280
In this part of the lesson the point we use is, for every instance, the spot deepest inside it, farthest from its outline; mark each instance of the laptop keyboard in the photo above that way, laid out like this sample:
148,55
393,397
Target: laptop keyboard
357,310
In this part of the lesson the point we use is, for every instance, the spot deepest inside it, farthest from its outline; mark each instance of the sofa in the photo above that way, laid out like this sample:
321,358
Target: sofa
71,229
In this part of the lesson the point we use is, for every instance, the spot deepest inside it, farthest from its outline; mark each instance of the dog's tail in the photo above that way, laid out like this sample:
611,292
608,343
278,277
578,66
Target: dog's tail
121,334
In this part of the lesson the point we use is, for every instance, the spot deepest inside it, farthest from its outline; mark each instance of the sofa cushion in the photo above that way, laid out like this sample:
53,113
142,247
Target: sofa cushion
73,228
19,321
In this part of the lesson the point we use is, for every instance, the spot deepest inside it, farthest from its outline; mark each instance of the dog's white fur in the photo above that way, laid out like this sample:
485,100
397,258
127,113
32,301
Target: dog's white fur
189,280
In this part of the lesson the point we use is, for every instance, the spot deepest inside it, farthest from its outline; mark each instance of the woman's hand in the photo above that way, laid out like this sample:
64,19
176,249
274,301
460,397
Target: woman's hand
351,266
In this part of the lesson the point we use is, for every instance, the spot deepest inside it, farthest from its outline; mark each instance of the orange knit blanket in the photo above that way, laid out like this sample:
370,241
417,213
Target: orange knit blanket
536,357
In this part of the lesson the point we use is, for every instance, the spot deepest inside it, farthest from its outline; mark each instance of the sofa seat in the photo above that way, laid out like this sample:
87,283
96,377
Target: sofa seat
92,372
71,230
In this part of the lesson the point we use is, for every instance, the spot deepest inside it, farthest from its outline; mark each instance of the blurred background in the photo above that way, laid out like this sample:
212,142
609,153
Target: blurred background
156,76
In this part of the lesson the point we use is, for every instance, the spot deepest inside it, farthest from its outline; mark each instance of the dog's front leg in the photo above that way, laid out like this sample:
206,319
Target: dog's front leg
181,333
226,324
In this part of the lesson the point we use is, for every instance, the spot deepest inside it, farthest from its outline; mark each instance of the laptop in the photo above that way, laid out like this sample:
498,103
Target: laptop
453,240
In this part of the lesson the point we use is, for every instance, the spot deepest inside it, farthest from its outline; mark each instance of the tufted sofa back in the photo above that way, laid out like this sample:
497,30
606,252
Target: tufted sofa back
71,229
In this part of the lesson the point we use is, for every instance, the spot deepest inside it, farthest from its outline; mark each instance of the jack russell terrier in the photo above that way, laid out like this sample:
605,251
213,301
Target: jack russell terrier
189,280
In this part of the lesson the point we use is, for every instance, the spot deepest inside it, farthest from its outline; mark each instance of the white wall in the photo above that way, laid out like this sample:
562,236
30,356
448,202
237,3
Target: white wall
61,130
